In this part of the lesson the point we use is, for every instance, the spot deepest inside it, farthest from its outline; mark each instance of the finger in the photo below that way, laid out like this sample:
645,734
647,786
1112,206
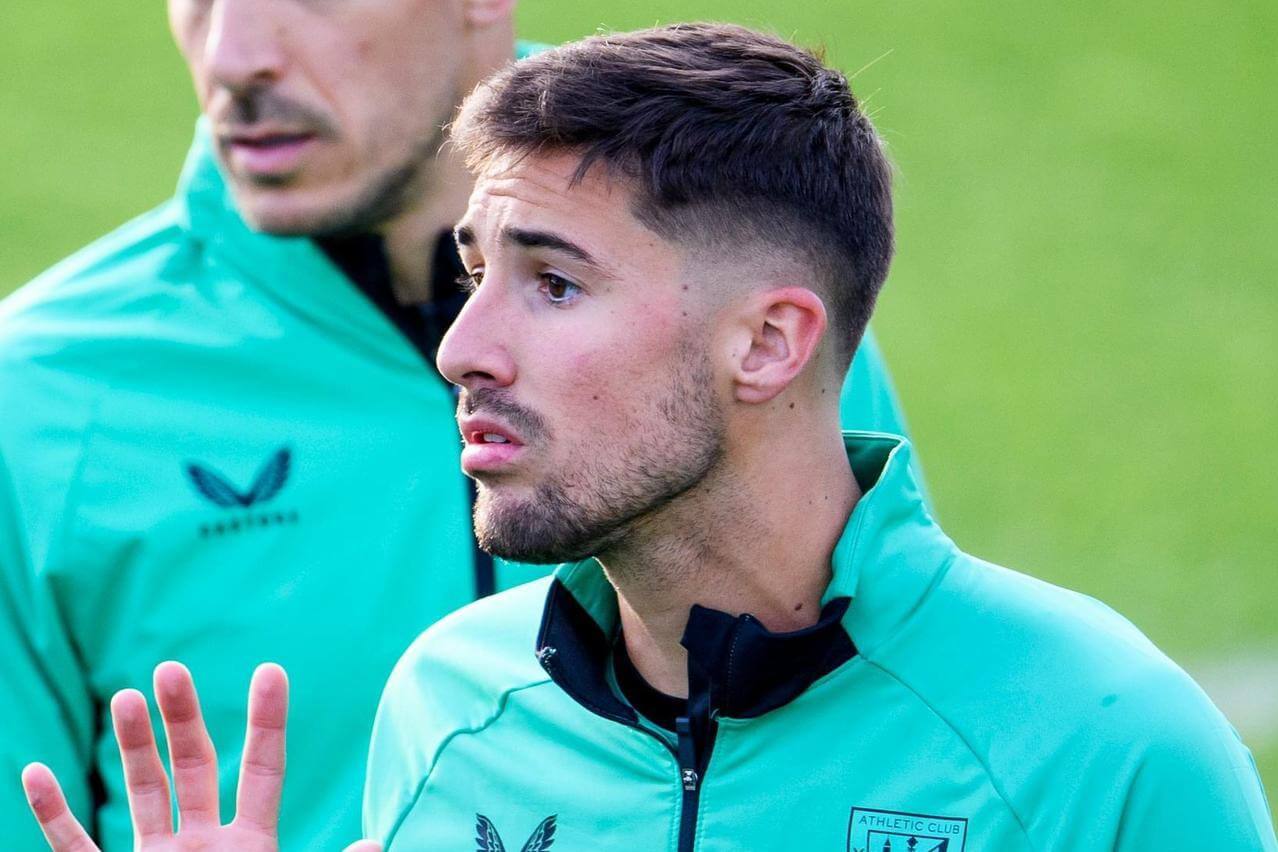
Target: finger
191,754
144,778
60,827
364,846
257,801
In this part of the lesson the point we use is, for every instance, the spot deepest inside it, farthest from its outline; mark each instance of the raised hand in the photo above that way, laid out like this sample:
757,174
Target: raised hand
195,777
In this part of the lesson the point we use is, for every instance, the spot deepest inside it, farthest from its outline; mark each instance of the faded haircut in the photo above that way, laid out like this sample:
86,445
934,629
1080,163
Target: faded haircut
727,137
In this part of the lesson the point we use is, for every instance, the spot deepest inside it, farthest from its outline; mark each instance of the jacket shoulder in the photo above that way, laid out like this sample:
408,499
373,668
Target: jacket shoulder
454,680
140,246
481,650
66,338
64,335
1042,682
1077,645
100,293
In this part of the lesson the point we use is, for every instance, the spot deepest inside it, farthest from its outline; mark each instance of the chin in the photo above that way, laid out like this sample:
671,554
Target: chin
285,211
280,215
544,529
513,532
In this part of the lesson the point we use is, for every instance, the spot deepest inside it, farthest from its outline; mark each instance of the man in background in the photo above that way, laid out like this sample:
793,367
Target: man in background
222,438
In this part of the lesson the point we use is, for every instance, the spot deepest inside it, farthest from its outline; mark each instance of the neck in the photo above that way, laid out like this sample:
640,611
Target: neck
410,238
762,531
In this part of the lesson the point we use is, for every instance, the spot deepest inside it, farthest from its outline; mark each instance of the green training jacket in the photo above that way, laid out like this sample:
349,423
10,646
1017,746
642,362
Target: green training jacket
214,448
940,703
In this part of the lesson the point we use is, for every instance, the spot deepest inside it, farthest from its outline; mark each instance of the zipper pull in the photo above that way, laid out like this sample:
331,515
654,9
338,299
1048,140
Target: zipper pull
546,656
687,755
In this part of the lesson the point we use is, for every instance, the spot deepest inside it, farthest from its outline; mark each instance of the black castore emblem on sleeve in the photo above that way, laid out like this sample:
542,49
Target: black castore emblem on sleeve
248,509
217,489
488,840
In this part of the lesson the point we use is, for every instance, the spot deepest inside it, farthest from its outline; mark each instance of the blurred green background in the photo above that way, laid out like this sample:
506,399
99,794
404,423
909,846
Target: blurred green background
1082,319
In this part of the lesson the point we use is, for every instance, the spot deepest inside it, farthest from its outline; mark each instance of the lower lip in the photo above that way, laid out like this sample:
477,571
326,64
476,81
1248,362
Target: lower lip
270,159
483,458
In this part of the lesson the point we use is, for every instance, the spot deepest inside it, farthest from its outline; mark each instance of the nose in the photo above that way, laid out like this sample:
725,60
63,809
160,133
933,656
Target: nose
243,49
475,353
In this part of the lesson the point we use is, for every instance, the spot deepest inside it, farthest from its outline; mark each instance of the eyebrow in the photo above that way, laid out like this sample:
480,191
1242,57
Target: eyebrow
465,236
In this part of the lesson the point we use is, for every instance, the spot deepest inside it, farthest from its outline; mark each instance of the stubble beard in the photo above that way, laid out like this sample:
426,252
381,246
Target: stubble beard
379,200
588,511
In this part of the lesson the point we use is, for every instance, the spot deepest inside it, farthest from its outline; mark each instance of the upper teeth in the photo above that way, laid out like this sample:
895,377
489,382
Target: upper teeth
494,438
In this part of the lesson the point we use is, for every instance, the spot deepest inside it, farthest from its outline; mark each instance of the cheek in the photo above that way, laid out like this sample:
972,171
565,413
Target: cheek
366,61
414,58
618,384
607,365
599,384
397,99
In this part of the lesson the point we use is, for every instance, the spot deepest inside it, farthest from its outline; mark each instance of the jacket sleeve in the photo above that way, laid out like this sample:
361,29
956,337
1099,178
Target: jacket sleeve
396,768
1196,787
47,713
868,401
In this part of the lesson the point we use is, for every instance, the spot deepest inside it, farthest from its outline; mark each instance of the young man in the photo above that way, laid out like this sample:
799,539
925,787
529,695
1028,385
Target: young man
221,434
760,639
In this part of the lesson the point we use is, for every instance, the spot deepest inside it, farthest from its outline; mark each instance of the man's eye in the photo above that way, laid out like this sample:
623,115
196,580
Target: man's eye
470,281
559,291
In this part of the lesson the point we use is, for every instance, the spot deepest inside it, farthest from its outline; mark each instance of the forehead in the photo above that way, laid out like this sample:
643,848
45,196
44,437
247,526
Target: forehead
376,30
538,193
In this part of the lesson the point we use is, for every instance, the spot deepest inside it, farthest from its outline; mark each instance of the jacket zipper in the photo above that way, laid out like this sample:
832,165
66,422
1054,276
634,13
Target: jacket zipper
691,764
690,778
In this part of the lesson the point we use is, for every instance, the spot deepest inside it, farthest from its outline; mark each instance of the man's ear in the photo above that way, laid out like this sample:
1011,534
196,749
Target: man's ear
783,328
483,13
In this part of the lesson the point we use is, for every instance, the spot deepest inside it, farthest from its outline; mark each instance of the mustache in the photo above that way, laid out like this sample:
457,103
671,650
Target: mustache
264,105
499,403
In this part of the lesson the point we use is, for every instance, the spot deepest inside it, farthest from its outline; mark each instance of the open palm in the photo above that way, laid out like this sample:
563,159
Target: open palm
195,777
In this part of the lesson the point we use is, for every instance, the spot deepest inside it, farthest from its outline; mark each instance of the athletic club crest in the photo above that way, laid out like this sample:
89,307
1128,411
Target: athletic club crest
874,830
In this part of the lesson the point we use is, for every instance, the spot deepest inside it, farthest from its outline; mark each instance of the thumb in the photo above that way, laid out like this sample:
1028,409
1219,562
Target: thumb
364,846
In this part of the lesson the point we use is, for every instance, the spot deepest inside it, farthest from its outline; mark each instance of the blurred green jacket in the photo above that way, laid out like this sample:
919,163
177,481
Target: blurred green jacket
215,448
940,704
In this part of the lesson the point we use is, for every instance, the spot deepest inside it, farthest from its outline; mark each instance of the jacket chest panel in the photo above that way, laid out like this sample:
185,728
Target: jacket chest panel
607,787
855,764
877,772
221,513
225,517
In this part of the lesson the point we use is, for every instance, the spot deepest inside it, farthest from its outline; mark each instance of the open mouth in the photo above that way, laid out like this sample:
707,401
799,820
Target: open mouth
490,447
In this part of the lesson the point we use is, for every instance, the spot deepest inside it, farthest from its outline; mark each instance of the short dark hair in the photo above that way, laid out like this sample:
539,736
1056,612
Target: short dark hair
724,133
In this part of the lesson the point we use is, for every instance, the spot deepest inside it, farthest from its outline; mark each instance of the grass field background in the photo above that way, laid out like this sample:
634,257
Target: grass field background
1083,316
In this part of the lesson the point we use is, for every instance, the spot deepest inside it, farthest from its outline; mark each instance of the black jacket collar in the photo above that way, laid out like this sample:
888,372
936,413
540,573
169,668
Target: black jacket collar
742,668
362,259
745,668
